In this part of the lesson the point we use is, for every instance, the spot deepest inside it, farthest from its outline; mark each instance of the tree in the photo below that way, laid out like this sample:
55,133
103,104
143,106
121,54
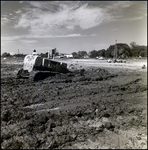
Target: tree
57,54
81,54
93,54
109,52
74,54
134,49
133,45
123,51
5,54
143,51
101,52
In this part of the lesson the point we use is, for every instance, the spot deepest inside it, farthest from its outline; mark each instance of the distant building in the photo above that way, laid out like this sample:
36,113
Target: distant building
68,55
65,55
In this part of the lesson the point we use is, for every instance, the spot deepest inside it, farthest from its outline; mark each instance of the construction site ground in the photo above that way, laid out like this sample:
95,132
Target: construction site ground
103,107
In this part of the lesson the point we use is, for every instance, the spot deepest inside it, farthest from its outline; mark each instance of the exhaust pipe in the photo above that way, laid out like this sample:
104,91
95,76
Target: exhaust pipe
48,53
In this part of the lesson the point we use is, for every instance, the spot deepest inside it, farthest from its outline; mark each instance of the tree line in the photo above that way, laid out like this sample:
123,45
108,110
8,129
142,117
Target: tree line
123,51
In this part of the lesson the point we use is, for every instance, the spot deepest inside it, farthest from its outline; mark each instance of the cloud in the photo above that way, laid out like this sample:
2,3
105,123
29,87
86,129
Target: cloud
71,35
18,11
27,38
93,35
114,30
12,38
55,36
133,19
6,40
60,18
4,20
116,9
117,5
28,41
87,17
132,10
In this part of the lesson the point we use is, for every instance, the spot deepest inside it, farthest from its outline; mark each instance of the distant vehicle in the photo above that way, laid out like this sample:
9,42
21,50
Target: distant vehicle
109,60
118,60
143,67
101,58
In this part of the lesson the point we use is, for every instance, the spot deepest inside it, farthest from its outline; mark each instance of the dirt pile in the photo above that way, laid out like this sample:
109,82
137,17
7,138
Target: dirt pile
89,108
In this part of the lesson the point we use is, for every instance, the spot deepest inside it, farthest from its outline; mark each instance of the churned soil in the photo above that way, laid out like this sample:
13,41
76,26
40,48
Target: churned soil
93,107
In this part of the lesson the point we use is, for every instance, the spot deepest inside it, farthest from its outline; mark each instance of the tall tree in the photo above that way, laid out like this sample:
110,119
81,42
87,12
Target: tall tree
81,54
134,49
101,52
74,54
93,54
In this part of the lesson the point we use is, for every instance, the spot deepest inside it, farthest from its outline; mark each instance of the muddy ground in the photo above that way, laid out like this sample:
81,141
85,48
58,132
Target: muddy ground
102,107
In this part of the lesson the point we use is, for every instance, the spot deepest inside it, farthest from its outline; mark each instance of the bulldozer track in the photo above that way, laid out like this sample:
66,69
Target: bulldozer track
40,75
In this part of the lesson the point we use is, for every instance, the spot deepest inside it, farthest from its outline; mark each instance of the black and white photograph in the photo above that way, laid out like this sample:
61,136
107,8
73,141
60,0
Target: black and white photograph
73,74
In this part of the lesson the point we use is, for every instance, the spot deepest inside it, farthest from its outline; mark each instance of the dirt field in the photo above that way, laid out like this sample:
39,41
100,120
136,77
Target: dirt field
105,107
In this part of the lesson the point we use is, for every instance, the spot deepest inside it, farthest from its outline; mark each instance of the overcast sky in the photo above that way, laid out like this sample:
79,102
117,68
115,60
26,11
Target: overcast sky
71,26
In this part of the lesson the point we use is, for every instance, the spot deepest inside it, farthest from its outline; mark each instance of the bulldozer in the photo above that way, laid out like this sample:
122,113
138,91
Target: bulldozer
37,68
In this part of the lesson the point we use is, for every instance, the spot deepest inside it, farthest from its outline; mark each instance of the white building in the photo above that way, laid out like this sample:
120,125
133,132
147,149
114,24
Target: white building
68,55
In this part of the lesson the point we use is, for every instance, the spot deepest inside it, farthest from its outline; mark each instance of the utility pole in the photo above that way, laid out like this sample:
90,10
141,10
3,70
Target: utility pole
18,56
115,51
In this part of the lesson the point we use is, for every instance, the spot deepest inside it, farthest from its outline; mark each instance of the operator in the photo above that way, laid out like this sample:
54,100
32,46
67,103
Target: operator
34,52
